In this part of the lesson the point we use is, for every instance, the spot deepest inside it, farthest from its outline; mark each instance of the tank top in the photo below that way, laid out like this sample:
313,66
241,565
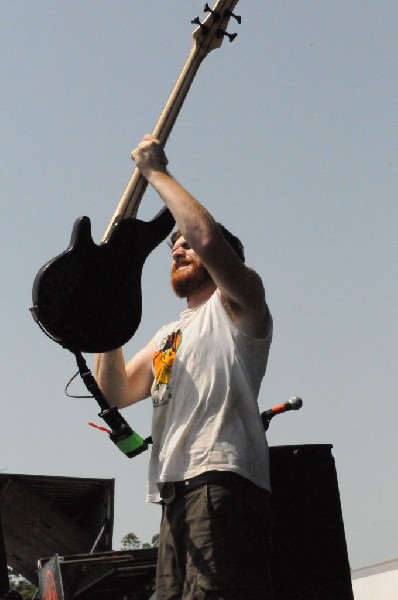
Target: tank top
207,377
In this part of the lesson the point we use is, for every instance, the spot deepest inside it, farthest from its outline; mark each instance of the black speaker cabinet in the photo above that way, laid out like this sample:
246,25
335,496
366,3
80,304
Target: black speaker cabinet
310,559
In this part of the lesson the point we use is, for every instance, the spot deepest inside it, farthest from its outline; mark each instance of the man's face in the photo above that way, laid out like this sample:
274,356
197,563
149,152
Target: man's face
188,275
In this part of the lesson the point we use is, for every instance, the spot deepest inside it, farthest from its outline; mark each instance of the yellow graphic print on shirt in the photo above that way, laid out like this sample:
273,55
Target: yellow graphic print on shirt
163,359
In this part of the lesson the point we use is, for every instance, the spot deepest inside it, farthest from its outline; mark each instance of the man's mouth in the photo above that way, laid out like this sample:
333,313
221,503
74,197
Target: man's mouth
179,265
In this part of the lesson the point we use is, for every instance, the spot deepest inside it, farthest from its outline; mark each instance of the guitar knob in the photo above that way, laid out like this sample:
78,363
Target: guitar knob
215,14
196,21
237,17
230,36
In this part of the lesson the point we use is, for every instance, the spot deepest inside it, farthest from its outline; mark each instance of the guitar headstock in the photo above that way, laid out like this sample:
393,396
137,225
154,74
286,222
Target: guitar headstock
211,32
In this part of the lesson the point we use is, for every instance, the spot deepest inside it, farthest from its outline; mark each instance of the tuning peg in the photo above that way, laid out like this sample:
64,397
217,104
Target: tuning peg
213,12
230,36
196,21
231,14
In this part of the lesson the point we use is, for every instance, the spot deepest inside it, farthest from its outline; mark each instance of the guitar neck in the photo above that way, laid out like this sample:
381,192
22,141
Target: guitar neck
135,189
207,37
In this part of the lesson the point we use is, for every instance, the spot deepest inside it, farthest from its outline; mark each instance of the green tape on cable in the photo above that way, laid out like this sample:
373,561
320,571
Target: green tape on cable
130,443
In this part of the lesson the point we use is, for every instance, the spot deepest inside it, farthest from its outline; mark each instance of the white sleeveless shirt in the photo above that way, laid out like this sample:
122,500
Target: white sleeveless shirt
205,412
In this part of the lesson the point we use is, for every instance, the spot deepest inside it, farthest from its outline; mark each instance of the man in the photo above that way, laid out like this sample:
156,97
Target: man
209,464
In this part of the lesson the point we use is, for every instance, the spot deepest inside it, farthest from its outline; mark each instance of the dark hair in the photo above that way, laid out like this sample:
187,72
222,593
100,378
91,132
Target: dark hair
232,240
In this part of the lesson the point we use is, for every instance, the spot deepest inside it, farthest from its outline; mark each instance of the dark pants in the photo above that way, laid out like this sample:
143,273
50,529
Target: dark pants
215,543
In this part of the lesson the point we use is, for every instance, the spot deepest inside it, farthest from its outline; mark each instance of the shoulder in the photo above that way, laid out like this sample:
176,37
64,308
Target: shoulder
253,318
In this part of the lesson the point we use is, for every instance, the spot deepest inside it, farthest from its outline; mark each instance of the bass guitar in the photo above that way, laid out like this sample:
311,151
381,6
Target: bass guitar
89,299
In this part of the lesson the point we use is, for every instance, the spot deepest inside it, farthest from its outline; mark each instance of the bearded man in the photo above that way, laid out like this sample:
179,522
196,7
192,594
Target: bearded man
209,467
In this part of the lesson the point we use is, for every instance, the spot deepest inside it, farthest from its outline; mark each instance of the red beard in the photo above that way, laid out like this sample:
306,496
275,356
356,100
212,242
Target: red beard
189,279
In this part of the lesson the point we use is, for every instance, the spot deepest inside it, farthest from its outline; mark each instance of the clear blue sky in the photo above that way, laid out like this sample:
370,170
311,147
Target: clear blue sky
289,136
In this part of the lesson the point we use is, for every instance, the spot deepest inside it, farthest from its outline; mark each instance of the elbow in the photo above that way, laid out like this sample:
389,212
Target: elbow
208,241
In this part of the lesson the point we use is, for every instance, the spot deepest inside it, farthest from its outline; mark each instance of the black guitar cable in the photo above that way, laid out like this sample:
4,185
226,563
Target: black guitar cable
122,435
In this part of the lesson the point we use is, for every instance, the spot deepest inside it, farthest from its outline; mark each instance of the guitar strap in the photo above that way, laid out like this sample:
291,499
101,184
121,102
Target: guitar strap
122,435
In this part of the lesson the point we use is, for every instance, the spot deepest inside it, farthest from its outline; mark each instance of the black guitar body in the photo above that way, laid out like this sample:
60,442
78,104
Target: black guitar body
89,298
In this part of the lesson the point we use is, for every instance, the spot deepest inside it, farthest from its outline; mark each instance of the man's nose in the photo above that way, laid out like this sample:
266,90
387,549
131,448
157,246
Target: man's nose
178,253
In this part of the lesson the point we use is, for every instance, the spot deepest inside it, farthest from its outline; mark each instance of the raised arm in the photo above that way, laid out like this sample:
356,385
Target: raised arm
123,384
241,288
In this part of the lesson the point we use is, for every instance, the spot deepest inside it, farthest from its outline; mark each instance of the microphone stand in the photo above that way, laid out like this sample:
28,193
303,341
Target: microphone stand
294,403
266,419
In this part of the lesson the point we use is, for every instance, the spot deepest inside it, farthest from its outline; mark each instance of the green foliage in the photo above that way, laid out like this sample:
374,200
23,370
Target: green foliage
132,542
21,585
